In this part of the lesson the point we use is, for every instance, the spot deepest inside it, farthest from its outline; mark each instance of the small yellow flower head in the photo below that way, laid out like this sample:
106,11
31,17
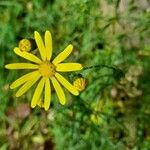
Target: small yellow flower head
25,45
80,83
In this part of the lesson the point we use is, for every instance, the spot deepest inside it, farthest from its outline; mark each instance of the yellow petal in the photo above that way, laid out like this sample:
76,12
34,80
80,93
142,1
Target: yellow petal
66,84
63,55
48,45
47,98
23,79
27,86
40,45
59,91
67,67
27,55
37,93
21,66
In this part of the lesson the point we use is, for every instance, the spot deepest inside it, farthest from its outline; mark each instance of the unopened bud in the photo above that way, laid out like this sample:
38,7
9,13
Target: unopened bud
80,83
25,45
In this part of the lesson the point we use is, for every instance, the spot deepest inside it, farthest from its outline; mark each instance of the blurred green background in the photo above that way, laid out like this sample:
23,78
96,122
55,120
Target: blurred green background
113,112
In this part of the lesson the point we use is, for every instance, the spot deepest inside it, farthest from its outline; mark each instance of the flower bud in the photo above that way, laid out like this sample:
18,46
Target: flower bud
80,83
25,45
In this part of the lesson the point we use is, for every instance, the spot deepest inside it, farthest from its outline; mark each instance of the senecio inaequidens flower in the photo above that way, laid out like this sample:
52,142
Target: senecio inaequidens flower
45,70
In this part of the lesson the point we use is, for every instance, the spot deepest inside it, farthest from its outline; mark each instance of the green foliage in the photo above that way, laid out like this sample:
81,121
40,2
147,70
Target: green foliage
112,40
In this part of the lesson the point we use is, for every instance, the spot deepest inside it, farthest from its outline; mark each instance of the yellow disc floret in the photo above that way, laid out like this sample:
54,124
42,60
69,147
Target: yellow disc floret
25,45
47,69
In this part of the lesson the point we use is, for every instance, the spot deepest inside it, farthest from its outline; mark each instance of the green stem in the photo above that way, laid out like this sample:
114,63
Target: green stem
99,66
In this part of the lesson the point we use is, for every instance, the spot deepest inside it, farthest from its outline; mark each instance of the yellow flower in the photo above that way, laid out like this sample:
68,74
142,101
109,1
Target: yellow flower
45,70
80,83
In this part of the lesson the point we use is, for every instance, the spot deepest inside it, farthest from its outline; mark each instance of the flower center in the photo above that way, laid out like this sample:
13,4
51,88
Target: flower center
47,69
